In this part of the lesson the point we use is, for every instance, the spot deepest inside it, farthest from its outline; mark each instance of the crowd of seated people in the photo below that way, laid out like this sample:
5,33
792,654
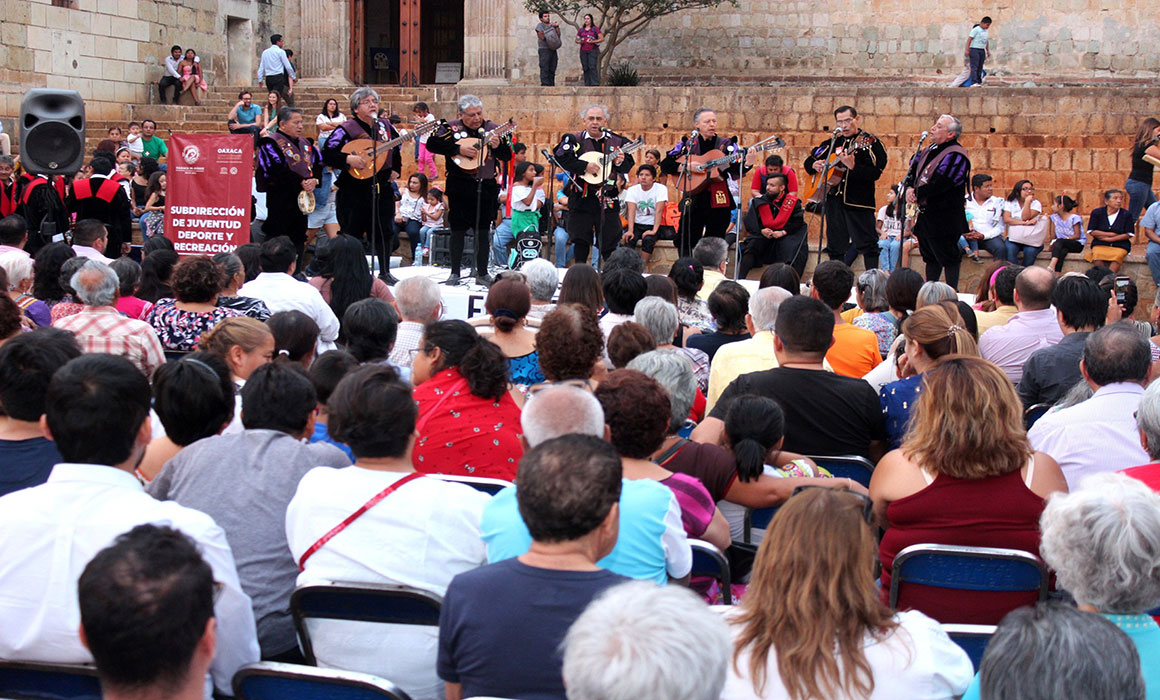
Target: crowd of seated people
554,472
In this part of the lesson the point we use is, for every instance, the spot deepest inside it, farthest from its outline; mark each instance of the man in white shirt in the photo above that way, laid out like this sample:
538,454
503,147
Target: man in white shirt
1033,328
275,67
281,292
96,411
172,77
645,199
986,216
1100,434
90,239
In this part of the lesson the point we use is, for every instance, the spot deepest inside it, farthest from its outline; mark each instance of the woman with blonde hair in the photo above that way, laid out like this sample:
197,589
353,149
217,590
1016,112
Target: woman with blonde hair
244,344
929,333
811,624
965,475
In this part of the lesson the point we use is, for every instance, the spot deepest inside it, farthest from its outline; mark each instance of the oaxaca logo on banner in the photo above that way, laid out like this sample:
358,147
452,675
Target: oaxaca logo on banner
209,187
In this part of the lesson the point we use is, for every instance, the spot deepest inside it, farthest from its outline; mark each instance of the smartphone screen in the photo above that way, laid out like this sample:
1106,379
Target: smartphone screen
1122,283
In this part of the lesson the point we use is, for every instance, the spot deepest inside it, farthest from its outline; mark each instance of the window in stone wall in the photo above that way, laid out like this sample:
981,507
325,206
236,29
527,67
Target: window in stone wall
63,3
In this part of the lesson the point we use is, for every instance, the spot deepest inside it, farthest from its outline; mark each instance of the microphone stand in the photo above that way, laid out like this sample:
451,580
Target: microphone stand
824,175
478,198
601,198
374,232
550,202
686,202
739,227
902,187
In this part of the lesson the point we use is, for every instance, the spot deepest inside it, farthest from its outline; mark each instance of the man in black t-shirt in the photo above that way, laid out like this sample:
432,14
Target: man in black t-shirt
501,625
825,413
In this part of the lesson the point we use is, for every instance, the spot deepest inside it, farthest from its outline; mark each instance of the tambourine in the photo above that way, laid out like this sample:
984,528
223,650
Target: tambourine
306,202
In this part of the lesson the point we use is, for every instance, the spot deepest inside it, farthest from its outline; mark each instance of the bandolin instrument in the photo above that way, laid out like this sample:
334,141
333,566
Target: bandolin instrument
376,153
709,165
470,165
604,160
832,174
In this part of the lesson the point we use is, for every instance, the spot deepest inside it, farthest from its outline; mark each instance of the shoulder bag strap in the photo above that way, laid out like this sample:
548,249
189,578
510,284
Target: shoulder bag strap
355,516
671,452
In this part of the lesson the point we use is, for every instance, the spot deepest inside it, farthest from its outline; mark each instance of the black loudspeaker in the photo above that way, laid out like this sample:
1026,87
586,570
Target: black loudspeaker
52,132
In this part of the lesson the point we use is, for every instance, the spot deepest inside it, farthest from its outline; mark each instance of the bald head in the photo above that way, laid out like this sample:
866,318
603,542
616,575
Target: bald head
1033,288
561,410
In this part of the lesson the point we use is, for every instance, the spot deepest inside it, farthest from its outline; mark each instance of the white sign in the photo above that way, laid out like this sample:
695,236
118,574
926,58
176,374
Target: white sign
448,72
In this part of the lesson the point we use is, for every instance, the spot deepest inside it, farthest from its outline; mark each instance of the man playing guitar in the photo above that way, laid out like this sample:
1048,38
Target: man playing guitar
473,193
849,208
709,211
589,218
365,207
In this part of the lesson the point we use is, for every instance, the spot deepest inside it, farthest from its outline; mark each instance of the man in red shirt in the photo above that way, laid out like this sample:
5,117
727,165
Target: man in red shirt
773,165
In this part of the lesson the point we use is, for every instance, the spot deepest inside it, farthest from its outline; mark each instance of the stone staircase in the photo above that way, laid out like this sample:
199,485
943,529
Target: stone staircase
210,115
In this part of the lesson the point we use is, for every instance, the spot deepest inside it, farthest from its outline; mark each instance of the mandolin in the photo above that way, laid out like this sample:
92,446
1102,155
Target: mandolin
470,165
604,160
710,164
377,153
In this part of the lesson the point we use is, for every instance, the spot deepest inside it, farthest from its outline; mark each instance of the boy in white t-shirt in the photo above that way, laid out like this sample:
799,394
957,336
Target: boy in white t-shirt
645,199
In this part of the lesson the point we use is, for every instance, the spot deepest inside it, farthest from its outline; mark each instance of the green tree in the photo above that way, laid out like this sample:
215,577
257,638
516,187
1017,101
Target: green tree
619,20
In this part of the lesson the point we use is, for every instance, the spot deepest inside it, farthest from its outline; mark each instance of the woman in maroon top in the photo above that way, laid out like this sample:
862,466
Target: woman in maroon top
469,416
965,475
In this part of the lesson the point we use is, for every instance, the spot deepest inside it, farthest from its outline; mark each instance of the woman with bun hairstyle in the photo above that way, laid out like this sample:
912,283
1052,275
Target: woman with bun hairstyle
508,302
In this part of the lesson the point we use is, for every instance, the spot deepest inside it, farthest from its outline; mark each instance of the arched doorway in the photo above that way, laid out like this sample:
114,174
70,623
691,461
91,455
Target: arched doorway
400,42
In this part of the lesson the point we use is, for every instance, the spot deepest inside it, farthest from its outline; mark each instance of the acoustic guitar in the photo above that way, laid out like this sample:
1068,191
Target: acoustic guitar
605,161
470,165
376,153
832,174
710,164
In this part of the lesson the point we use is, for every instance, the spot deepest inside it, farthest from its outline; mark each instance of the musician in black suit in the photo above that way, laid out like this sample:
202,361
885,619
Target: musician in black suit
708,212
593,210
474,197
940,176
288,165
850,204
365,208
101,197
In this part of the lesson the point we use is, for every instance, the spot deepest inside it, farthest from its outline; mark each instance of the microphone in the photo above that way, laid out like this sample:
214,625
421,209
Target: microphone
695,134
544,152
924,135
837,130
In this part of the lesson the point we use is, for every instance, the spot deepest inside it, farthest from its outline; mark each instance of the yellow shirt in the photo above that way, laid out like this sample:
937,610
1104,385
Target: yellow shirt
855,350
850,314
711,279
989,319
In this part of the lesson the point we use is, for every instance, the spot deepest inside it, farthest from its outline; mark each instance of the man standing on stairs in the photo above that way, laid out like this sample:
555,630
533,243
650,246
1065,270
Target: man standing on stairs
276,69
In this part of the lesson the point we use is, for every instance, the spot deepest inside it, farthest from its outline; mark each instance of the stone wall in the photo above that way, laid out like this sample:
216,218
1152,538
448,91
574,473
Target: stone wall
759,39
111,50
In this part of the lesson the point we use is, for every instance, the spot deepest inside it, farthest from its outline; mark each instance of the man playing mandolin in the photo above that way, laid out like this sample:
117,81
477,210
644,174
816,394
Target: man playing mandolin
593,209
365,206
288,166
858,159
471,183
710,204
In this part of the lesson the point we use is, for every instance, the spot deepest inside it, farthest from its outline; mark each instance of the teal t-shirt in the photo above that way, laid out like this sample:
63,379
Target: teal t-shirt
250,115
978,38
154,148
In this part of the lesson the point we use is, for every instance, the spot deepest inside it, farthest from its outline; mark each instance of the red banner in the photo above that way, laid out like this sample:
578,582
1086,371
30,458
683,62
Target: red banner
208,192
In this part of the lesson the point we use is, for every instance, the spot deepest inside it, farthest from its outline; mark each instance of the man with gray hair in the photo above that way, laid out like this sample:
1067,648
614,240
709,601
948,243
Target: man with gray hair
472,190
358,212
637,641
593,195
1100,434
709,211
939,180
100,328
753,355
1148,422
419,302
561,409
713,254
1053,651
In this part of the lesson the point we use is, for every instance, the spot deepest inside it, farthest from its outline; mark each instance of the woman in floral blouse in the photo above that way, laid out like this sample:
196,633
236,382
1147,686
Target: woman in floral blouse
180,322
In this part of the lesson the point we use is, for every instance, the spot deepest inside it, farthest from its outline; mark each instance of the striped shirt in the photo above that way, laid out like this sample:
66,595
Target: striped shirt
103,329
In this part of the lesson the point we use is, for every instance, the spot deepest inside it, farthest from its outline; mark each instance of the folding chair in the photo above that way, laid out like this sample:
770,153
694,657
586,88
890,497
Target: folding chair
757,519
268,680
1034,413
710,561
21,680
972,639
479,483
988,569
366,602
852,467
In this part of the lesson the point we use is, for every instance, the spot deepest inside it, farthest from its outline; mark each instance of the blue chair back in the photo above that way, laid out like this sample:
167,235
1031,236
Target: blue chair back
852,467
479,483
710,561
20,680
1034,413
989,569
757,519
268,680
362,602
972,639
